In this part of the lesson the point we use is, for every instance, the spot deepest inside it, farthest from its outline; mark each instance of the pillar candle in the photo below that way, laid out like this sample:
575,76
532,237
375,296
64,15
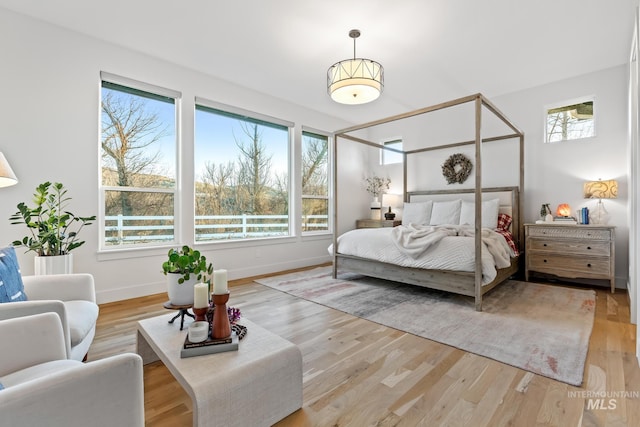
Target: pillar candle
220,282
200,295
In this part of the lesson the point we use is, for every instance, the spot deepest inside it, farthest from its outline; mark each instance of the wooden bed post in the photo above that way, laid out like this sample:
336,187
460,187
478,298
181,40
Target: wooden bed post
405,198
520,234
334,274
478,205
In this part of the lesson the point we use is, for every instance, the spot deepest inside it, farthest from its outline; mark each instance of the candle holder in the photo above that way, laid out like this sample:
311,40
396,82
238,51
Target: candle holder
221,327
200,314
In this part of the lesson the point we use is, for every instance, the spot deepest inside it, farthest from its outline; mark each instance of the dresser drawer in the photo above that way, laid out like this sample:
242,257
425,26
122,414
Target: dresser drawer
570,266
570,232
562,246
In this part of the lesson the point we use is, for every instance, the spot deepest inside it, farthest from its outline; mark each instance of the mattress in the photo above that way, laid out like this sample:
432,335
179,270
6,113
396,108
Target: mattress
455,253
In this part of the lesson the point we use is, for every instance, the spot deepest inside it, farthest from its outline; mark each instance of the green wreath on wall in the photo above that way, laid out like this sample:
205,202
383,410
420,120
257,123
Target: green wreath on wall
457,168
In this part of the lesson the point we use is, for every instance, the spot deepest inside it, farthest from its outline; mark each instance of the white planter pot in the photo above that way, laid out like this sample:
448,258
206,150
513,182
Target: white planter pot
58,264
180,293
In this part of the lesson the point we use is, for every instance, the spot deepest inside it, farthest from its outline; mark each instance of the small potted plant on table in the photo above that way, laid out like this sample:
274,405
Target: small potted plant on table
184,268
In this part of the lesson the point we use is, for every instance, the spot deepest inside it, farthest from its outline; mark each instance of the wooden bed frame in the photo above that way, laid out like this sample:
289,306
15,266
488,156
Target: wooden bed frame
465,283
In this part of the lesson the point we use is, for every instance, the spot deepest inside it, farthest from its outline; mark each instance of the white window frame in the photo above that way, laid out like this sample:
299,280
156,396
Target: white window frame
204,102
102,189
383,152
330,178
589,98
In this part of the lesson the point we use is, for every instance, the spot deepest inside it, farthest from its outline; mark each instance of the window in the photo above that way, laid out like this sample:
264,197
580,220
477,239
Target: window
315,182
138,163
572,120
241,174
389,157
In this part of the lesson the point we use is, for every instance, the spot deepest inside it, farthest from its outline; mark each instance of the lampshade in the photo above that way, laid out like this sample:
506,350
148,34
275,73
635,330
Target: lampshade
7,177
601,189
357,80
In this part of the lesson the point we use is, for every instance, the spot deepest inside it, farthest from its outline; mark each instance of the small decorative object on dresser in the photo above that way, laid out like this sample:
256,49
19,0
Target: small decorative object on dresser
389,215
563,210
571,251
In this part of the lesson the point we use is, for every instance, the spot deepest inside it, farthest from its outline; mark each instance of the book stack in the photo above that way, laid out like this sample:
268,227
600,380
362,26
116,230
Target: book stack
583,216
209,346
569,220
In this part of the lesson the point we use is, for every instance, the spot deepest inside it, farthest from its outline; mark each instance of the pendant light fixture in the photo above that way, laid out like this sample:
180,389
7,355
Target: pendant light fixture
357,80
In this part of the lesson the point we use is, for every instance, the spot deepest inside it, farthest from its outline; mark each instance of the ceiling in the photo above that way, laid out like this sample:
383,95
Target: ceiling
432,50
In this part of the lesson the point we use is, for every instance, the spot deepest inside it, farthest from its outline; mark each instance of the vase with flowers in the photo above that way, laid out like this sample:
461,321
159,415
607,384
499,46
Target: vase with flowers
377,186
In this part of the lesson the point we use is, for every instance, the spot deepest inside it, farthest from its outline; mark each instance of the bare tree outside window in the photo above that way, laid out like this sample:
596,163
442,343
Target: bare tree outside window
569,122
315,182
242,185
138,165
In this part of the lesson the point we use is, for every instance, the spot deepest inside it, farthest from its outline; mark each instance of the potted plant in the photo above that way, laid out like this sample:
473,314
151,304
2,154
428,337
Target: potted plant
184,268
53,231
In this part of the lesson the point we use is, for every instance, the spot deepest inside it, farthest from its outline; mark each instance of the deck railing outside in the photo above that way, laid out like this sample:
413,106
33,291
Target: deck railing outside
120,229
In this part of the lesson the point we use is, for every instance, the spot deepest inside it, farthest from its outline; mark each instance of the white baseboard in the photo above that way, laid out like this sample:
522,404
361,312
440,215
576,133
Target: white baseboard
152,288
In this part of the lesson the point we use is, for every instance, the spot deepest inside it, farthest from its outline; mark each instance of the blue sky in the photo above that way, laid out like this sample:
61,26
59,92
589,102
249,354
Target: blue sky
215,139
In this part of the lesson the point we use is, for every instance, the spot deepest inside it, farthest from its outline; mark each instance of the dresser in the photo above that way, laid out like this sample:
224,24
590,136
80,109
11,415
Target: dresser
377,223
571,251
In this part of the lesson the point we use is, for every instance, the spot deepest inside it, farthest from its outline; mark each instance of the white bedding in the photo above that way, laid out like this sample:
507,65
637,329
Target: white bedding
447,252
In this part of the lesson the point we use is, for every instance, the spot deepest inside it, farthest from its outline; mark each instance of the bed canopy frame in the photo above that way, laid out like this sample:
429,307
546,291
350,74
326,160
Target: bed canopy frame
463,282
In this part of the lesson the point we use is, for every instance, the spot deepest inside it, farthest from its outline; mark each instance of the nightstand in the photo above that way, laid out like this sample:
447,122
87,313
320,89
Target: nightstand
571,251
377,223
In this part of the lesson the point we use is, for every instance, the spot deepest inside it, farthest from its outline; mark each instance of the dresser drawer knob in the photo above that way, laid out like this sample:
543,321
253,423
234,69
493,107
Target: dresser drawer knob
589,247
544,260
545,245
589,265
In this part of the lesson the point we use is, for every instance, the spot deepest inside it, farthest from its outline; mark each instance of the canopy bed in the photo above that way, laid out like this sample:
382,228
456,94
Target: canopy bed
477,276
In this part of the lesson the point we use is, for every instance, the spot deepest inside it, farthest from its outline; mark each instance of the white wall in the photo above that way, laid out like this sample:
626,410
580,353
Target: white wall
50,83
555,173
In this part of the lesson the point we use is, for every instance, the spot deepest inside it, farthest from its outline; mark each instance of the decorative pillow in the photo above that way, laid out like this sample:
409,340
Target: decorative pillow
445,212
489,213
417,213
11,287
504,222
510,241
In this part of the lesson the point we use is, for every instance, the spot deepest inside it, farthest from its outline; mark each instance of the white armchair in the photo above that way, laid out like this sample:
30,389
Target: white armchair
72,297
40,386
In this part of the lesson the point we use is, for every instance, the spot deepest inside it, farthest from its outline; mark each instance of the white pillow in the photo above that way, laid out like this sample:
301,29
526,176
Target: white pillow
417,213
489,213
445,212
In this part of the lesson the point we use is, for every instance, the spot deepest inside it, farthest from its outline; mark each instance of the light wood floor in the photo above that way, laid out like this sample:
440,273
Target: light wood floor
358,373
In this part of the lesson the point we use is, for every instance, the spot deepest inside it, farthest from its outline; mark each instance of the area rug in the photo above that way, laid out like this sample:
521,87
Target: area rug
543,329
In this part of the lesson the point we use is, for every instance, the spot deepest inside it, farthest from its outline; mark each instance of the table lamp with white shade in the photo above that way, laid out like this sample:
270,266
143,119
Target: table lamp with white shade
600,190
7,177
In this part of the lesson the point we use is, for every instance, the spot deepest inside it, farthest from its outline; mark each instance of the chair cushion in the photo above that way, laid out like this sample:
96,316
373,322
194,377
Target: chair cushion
37,371
81,317
11,287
